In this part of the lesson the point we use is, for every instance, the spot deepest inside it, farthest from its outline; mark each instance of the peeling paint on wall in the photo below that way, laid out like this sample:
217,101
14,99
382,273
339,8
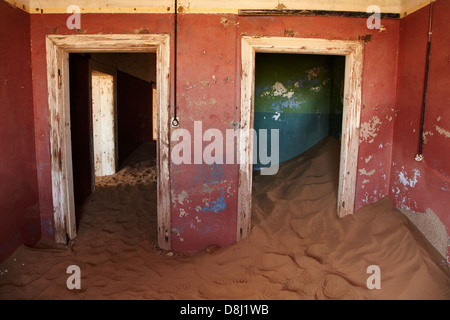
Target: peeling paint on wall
406,181
225,22
369,130
425,134
177,232
371,197
216,205
204,83
182,196
364,182
442,131
365,173
290,33
288,83
183,213
278,89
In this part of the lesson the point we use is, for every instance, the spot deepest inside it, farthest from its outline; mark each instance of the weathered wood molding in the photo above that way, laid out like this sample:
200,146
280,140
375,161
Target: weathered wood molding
350,130
353,51
60,146
109,43
100,6
58,48
319,13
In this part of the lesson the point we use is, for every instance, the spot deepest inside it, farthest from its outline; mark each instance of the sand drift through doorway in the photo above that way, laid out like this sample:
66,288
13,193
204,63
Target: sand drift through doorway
58,49
353,52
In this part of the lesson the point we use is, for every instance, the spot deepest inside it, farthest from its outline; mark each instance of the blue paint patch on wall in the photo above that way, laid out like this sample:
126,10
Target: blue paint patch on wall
211,174
217,205
216,173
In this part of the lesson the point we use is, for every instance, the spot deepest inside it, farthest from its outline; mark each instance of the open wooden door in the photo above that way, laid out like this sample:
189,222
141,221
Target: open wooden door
103,123
80,120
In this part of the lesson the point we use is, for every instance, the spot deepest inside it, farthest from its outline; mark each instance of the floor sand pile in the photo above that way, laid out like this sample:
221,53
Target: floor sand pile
298,247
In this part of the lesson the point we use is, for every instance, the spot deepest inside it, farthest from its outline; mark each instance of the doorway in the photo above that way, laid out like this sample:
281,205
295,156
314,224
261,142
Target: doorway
353,53
110,119
58,50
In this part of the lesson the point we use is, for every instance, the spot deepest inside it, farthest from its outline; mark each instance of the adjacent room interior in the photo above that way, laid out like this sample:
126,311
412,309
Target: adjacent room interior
302,97
113,136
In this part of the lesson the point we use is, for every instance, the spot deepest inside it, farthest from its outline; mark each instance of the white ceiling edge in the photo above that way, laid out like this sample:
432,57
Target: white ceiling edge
402,7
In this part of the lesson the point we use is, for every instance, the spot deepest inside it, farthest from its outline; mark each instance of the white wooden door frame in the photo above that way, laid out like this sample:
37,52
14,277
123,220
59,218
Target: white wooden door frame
354,58
58,48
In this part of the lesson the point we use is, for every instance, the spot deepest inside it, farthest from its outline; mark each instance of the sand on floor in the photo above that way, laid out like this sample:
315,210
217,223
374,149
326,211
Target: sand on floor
298,247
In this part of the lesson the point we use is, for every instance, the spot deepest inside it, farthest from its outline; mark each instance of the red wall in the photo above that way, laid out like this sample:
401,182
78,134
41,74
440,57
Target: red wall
416,185
19,202
209,88
204,198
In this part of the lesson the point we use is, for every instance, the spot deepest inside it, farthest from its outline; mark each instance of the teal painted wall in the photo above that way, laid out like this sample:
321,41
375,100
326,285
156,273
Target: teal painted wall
301,95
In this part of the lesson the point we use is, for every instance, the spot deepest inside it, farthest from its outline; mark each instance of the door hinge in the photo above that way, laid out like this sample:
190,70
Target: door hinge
59,79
